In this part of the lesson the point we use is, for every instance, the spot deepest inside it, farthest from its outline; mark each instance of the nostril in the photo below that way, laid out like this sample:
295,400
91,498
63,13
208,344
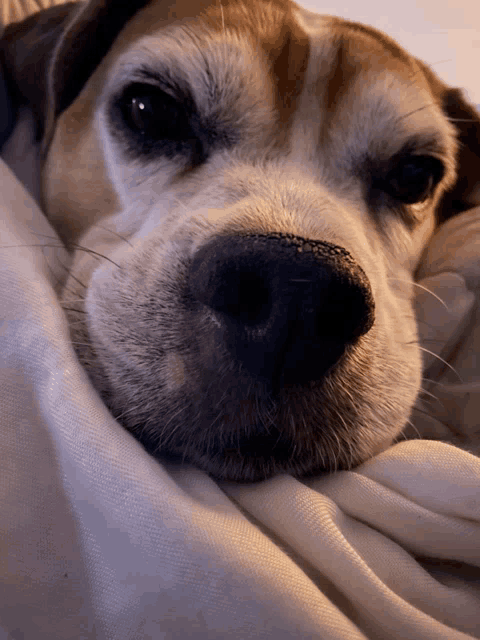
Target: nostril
344,313
244,296
236,285
287,315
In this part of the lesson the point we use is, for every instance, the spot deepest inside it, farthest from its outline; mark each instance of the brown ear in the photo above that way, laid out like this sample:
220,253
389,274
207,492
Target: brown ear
86,40
84,43
465,193
25,51
46,59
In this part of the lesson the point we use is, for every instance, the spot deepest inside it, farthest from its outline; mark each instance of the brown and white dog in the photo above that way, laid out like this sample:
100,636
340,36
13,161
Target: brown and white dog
247,188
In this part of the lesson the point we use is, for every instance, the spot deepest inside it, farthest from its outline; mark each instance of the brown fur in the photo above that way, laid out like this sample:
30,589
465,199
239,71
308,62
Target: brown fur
313,111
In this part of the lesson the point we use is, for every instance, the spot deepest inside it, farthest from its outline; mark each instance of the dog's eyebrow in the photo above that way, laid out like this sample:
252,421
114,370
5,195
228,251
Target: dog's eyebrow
424,142
164,80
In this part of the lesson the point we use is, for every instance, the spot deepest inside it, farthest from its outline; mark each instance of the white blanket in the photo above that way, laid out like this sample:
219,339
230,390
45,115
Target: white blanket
98,540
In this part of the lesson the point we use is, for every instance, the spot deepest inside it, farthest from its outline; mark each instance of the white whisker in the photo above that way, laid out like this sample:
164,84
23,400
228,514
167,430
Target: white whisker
435,355
420,286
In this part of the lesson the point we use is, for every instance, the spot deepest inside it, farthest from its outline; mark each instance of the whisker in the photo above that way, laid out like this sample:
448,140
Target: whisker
429,381
429,394
94,253
69,289
431,341
34,244
424,322
118,235
447,425
60,246
420,286
441,61
429,401
411,113
166,434
124,413
64,285
77,280
58,281
461,120
411,342
465,387
223,17
443,361
71,309
51,236
409,422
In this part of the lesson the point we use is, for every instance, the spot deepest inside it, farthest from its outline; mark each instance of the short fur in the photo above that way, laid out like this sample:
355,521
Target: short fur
301,116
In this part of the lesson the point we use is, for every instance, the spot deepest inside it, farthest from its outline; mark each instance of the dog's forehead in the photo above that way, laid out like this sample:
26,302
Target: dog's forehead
295,46
273,23
264,36
325,86
344,54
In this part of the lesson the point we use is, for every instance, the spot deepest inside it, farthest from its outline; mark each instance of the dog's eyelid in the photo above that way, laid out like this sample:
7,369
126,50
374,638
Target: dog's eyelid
425,144
162,81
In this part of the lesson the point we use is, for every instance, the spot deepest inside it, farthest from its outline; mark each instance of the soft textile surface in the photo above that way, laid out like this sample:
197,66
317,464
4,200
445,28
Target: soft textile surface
98,540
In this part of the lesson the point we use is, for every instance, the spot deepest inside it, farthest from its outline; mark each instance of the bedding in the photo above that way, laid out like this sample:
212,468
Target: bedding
98,540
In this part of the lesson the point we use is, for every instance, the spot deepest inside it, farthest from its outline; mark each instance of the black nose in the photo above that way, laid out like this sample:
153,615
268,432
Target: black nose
287,307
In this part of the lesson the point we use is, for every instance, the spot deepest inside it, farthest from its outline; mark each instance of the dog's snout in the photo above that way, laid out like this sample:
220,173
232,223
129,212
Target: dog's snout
283,307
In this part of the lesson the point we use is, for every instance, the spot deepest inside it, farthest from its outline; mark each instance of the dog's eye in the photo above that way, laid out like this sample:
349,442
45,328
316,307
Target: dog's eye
142,113
414,178
154,122
154,114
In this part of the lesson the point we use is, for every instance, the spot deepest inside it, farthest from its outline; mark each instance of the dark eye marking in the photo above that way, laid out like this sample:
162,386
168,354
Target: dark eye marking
154,114
413,178
153,122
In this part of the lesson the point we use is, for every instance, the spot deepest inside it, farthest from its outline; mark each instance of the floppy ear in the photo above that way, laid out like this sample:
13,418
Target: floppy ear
46,59
83,44
465,193
25,51
86,40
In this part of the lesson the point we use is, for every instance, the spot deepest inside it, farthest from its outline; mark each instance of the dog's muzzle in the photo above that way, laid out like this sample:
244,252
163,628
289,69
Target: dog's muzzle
284,308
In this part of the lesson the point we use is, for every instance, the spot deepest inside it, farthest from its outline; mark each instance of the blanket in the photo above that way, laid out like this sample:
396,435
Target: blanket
99,540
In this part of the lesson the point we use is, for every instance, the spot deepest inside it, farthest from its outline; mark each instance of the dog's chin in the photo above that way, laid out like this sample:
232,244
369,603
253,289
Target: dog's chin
252,459
259,452
259,457
304,430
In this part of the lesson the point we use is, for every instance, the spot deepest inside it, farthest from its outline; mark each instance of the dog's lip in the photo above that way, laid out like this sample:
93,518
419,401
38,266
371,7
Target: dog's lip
271,444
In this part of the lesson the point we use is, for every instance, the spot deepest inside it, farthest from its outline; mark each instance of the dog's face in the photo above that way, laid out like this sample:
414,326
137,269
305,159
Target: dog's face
260,182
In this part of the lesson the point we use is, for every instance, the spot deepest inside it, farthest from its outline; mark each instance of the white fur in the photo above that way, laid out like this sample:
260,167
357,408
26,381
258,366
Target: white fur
159,222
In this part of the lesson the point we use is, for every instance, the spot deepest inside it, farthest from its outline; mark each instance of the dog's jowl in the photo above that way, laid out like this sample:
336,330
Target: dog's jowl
247,189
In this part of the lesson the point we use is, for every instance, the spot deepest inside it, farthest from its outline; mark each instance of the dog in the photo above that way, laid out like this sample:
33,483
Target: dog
246,189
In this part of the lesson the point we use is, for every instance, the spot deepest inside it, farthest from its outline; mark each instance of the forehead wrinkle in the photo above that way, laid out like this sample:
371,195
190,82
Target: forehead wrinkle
352,53
257,20
272,27
347,57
